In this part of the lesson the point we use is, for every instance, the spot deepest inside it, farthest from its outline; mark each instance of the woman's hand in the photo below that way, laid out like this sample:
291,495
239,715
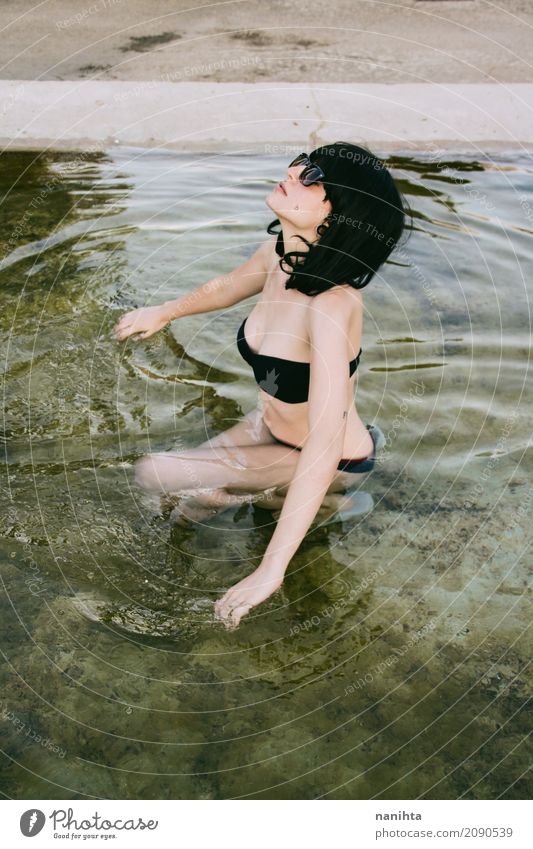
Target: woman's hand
249,592
143,322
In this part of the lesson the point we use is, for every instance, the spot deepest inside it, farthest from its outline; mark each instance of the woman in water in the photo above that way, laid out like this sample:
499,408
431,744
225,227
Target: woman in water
340,215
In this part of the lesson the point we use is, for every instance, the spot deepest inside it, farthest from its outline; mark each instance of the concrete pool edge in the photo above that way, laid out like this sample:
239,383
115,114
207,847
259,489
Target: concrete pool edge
265,117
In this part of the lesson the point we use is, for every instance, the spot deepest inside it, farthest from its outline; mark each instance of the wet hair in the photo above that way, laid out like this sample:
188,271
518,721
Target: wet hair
365,225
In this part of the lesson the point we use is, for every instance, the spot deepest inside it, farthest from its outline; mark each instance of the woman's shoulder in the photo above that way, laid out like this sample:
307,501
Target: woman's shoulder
342,294
344,304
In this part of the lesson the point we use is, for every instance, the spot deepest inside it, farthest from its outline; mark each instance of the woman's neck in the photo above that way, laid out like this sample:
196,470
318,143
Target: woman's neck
291,237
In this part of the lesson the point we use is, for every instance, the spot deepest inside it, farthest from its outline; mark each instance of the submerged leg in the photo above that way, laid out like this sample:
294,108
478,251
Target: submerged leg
205,505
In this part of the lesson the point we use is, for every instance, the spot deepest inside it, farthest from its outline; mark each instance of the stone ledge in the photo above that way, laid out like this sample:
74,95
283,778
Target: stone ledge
258,116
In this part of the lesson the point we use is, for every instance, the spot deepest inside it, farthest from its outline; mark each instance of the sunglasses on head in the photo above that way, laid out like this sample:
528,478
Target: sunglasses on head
311,173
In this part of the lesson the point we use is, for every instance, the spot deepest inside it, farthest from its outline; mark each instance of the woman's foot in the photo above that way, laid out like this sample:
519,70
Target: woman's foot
205,505
338,508
347,506
193,511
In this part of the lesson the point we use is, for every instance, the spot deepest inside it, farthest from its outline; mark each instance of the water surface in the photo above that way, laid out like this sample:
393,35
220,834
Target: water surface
394,661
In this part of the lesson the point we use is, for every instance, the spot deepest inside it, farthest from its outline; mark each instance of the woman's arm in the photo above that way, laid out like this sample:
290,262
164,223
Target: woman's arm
217,294
329,401
328,405
226,290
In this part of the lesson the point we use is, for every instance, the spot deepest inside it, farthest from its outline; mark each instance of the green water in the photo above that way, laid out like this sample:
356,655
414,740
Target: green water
393,663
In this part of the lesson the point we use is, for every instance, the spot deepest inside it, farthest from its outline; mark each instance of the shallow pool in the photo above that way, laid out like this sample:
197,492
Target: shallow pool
393,662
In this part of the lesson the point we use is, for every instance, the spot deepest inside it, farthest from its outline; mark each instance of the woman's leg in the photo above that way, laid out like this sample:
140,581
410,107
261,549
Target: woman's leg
213,478
244,468
206,505
220,472
250,430
200,475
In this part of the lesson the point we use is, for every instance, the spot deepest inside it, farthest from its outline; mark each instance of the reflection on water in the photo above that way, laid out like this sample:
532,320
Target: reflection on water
392,663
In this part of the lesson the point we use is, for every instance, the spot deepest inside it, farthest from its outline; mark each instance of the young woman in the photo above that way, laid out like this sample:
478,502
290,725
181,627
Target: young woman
340,216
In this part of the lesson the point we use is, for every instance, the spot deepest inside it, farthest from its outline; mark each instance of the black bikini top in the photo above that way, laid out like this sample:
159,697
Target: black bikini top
287,380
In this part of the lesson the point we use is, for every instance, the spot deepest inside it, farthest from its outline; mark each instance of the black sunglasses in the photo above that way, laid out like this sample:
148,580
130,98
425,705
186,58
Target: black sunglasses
311,173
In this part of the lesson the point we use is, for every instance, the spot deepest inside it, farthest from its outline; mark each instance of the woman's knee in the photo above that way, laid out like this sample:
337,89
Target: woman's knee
160,472
168,472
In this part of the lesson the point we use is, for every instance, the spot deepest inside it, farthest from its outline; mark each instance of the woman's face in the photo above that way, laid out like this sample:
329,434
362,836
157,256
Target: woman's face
303,206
